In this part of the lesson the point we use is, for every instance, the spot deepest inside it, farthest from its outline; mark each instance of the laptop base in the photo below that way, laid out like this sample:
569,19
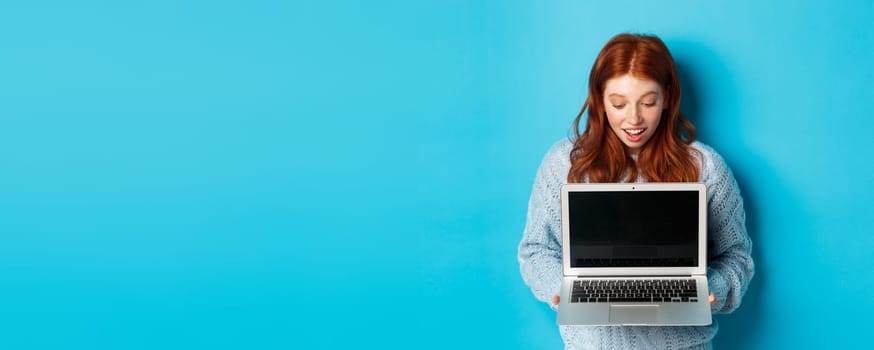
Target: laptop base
624,313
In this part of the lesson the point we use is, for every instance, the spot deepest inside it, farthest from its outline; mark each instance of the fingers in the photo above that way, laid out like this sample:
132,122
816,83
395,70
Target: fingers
712,299
555,299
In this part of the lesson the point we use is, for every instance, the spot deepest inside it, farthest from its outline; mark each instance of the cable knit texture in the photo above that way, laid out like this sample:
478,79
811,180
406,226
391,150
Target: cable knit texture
730,266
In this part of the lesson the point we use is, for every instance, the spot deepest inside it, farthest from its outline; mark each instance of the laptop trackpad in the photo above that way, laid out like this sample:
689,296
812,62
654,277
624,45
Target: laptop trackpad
634,314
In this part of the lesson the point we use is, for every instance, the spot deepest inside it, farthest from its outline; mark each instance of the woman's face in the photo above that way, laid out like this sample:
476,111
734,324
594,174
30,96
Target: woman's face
634,108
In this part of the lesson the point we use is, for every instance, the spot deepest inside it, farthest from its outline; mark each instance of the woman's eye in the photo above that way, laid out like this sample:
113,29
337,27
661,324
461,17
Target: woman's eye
649,104
619,106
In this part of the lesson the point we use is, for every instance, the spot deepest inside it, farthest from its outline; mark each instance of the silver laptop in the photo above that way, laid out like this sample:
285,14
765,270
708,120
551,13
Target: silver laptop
634,254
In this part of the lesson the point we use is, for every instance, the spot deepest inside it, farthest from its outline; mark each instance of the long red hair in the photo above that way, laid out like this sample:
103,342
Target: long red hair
599,155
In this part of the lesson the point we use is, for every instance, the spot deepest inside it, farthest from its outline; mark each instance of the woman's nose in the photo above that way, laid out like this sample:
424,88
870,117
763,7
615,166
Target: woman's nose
635,117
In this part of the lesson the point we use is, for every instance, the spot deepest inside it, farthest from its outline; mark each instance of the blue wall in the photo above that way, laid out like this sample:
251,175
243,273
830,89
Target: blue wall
268,174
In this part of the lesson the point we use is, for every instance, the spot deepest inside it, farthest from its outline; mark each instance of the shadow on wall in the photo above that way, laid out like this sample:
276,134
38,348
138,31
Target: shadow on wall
703,77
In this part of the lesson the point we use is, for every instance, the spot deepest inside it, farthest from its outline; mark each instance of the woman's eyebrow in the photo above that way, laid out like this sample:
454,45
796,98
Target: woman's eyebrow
644,95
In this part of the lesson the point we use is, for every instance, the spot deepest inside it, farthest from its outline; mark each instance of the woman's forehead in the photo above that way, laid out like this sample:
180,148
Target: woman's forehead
631,86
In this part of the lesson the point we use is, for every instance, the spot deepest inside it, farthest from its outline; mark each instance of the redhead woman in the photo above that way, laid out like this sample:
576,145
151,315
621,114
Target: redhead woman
634,132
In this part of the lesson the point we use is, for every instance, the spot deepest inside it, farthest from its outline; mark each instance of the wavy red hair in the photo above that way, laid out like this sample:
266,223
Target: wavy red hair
599,155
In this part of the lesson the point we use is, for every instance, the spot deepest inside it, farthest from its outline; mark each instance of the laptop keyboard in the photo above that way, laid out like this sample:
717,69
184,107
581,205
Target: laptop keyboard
646,291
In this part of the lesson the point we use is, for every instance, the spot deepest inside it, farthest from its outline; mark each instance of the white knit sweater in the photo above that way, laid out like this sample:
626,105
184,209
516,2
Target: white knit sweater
730,266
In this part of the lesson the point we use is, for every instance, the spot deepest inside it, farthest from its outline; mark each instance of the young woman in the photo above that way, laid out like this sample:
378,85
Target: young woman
635,133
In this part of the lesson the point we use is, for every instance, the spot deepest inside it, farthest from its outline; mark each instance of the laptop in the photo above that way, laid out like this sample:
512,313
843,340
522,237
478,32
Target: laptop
634,254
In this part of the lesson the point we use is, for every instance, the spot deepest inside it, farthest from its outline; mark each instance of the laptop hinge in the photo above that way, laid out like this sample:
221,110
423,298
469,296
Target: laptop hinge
638,276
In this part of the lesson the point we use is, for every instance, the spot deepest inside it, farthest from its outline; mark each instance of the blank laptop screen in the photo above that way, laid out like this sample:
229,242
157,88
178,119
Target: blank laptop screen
633,228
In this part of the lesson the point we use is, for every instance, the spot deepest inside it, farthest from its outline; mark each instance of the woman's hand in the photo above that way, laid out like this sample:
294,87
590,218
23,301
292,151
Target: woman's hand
556,299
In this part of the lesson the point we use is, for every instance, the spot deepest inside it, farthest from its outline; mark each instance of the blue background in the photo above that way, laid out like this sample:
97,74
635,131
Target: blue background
333,174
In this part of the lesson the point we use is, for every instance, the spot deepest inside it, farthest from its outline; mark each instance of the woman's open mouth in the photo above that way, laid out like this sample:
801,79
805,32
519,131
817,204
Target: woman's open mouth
634,135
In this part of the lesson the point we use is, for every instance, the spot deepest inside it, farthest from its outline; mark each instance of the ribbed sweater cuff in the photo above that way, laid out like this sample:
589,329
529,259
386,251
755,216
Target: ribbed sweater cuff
719,287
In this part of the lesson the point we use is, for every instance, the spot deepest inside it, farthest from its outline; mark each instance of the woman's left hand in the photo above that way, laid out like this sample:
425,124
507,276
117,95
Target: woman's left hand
712,299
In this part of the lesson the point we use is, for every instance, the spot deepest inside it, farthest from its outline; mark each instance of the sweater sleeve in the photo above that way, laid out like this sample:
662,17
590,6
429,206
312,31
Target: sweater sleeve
730,264
540,249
